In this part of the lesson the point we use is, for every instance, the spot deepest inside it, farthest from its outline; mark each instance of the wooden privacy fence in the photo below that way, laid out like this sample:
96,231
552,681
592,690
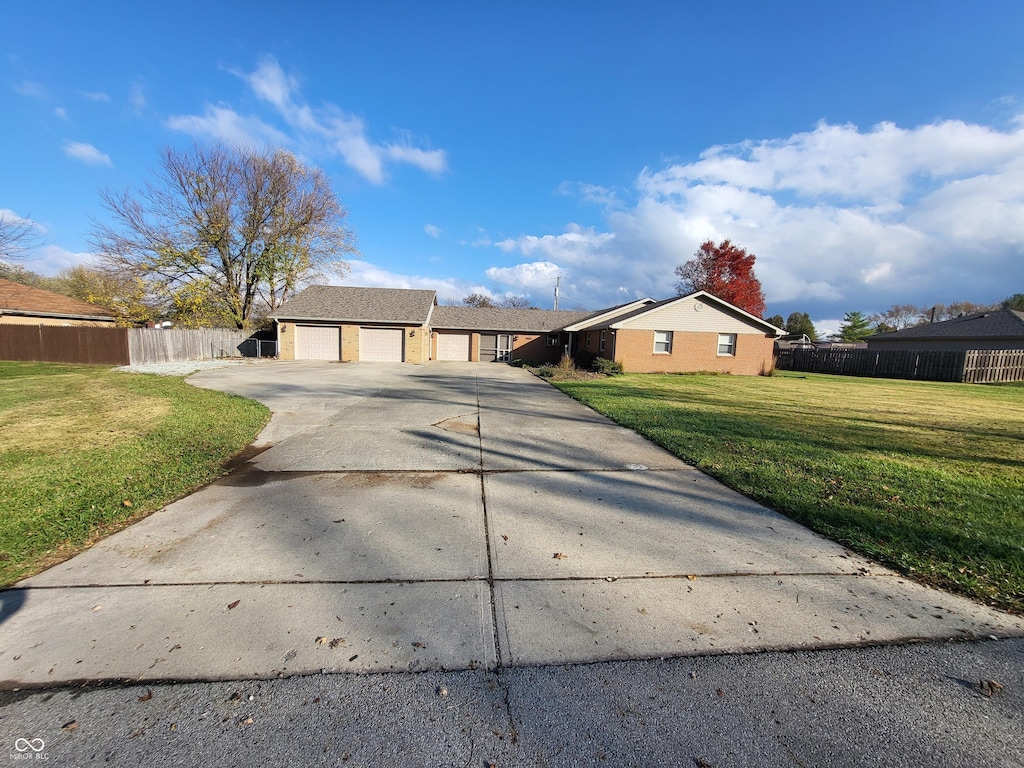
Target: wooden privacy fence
126,346
985,366
973,366
64,344
173,345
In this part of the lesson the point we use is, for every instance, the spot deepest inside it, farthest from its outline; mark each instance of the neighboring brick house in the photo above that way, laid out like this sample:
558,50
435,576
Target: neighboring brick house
698,332
996,329
25,305
690,333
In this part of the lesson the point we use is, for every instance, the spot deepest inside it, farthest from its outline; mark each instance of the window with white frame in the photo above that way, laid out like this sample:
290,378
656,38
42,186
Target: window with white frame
554,339
662,342
727,344
601,348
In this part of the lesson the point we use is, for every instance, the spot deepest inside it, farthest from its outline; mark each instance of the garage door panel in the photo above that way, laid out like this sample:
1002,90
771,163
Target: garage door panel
317,342
453,346
381,344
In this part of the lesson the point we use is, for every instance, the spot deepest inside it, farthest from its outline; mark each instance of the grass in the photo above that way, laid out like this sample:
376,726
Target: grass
926,478
86,450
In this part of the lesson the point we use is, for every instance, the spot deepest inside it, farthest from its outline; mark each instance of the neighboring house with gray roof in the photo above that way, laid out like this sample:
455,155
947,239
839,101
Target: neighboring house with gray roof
995,329
689,333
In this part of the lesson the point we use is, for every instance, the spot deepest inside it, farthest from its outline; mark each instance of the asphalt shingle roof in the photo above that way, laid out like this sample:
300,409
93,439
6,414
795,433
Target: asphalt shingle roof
500,319
996,324
16,298
362,305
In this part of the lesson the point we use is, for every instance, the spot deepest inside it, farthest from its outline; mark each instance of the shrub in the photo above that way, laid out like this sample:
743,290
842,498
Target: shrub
606,366
566,364
546,371
584,359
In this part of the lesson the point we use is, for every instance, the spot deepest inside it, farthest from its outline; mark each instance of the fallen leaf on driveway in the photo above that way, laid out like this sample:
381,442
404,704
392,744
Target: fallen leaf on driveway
73,725
321,640
560,556
692,577
146,696
990,687
234,604
336,642
503,536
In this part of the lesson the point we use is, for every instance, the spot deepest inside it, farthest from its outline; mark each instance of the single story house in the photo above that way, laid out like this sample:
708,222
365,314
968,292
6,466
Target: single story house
697,332
689,333
995,329
24,305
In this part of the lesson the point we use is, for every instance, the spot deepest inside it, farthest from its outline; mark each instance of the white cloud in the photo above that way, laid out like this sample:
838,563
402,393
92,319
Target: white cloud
137,98
96,95
31,89
86,153
223,124
839,219
432,231
52,259
61,113
323,131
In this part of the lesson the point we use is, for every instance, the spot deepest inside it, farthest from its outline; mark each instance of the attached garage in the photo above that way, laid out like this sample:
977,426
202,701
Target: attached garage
317,342
381,344
453,346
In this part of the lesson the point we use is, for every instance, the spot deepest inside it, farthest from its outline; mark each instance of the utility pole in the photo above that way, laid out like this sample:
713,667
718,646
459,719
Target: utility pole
557,281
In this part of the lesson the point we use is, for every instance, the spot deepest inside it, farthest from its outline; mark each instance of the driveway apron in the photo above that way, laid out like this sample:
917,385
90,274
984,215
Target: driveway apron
449,516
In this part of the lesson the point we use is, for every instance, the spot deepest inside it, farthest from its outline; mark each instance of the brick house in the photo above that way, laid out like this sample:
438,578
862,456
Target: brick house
698,332
25,305
689,333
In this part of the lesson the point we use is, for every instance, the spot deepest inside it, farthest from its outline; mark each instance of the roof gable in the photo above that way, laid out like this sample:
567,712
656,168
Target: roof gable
605,316
996,324
364,305
670,308
18,299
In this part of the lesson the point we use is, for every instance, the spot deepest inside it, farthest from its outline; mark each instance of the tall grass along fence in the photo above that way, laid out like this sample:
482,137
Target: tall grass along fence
972,366
127,346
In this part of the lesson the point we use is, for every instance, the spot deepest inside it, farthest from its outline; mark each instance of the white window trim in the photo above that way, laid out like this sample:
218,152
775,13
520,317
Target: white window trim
732,344
668,335
554,339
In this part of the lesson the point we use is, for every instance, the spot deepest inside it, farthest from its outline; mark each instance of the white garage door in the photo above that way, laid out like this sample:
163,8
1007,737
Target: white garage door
381,344
453,346
317,342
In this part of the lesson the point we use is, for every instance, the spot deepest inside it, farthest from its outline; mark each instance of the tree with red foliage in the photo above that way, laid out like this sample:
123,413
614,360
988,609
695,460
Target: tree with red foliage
725,271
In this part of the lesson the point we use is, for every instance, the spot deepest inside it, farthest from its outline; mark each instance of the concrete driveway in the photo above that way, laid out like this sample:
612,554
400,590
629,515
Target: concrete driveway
449,516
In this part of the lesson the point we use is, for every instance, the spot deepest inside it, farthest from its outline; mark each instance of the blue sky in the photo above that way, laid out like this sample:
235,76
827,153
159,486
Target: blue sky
868,153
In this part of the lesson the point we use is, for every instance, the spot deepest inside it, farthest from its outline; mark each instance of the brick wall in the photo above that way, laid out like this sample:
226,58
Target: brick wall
349,343
286,341
693,352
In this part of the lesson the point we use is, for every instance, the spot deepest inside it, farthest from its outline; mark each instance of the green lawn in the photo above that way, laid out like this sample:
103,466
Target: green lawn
927,478
84,450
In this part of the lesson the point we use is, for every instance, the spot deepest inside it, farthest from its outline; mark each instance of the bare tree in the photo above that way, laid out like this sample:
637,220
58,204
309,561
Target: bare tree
515,302
900,316
230,230
17,236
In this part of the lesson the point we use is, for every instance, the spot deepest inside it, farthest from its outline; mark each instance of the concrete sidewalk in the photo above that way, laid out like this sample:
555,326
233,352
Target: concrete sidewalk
449,516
